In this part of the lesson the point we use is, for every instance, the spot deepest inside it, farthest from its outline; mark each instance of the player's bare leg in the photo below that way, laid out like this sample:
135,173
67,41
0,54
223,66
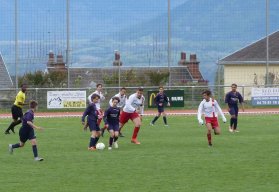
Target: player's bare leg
120,129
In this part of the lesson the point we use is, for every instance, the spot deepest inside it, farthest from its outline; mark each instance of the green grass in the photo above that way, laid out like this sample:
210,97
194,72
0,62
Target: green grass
174,158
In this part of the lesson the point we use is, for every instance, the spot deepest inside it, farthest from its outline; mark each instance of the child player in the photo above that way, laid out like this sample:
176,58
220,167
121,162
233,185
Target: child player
122,100
160,101
92,120
210,108
98,91
111,119
26,132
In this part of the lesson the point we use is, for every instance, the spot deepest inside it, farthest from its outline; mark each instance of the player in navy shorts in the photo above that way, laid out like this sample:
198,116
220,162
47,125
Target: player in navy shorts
111,119
232,99
26,132
160,101
92,120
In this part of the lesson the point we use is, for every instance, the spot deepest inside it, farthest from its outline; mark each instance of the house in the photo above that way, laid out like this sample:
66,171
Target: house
248,66
187,71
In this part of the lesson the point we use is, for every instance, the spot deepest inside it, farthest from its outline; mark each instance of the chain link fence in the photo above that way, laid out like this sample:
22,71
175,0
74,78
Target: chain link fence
192,95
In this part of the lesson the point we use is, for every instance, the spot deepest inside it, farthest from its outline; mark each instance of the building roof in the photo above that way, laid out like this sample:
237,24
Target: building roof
5,80
179,74
255,53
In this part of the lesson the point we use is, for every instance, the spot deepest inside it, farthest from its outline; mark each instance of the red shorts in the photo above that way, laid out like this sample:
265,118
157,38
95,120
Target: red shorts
124,117
213,121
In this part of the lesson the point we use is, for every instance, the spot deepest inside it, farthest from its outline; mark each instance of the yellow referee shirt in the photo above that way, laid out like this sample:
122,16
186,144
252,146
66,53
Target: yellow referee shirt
20,98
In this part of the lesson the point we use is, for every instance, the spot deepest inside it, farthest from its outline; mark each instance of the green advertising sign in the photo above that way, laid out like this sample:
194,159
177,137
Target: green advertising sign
176,98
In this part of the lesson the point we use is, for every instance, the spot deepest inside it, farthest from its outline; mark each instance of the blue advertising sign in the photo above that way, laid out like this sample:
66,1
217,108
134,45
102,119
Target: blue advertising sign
265,96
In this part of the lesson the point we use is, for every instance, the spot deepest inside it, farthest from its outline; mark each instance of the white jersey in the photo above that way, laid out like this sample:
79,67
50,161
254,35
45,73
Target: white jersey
134,103
122,101
210,109
102,98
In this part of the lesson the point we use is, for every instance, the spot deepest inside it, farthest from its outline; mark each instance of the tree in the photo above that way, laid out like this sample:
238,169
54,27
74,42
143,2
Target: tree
158,78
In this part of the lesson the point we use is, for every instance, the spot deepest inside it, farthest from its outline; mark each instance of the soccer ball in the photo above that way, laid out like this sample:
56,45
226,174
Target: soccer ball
100,146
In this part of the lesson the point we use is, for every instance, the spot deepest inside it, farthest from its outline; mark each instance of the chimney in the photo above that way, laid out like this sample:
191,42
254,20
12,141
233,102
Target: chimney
183,56
59,58
51,59
193,57
117,61
117,56
182,59
60,64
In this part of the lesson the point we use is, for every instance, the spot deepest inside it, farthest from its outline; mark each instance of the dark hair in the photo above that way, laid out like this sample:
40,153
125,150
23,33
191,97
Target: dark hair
234,85
33,104
95,96
161,87
123,88
99,85
207,92
115,98
140,89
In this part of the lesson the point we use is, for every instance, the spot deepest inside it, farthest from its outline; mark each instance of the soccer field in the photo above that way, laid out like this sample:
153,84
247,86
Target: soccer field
174,158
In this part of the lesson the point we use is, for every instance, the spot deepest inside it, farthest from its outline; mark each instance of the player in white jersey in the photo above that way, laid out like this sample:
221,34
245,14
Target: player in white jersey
99,88
122,97
132,110
122,101
210,108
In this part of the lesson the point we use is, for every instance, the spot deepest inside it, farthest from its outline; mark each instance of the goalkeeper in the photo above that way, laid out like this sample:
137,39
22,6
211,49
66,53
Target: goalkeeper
210,108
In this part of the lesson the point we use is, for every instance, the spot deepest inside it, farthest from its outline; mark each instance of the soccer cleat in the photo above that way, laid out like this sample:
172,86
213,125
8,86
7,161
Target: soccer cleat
236,130
115,144
109,148
7,132
91,148
210,145
11,150
230,129
166,125
121,135
152,124
38,159
135,141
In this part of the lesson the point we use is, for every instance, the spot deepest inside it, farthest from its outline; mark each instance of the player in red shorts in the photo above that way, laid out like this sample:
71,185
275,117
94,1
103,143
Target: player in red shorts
132,110
210,108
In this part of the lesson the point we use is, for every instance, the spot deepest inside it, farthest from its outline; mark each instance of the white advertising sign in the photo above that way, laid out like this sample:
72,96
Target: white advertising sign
265,96
66,99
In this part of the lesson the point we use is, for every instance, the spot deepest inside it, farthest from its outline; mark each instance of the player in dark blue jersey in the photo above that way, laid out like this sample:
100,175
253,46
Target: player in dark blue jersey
160,100
26,132
111,118
232,99
92,120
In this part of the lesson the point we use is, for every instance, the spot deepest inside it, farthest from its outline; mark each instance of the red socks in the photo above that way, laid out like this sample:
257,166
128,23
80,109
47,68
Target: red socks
135,134
209,138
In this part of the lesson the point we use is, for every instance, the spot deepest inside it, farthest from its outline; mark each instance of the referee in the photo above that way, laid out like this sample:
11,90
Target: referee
17,109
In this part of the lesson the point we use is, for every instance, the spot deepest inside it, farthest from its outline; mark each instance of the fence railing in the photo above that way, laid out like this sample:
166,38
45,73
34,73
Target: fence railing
192,94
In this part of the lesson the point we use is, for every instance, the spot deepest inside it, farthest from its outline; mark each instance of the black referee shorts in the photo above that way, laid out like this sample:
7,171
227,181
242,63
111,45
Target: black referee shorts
16,112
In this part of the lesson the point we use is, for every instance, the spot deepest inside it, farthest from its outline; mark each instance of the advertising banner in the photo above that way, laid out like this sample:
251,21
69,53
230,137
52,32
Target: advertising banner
265,96
66,99
176,98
